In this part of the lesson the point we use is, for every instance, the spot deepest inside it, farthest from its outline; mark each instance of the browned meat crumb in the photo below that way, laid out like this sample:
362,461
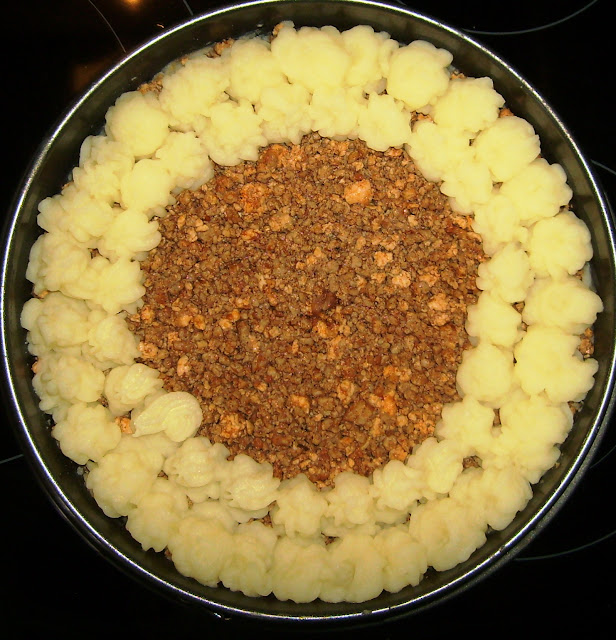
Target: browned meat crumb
219,47
314,302
155,85
587,343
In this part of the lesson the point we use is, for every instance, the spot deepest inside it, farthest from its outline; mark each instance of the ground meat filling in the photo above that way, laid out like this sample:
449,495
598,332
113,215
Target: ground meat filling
314,303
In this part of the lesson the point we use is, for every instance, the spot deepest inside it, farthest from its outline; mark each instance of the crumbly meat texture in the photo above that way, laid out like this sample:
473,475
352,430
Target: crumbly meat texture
314,303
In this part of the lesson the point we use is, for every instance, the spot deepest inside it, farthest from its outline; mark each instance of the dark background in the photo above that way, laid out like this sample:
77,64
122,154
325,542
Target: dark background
52,583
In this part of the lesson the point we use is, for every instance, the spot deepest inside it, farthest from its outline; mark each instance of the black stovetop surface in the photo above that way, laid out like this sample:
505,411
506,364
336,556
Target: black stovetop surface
54,583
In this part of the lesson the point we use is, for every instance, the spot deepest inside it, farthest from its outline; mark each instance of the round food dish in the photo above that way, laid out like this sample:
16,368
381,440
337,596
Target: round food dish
47,178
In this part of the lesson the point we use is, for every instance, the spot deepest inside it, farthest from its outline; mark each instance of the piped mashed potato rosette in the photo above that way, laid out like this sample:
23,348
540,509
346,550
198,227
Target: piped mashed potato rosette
229,520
